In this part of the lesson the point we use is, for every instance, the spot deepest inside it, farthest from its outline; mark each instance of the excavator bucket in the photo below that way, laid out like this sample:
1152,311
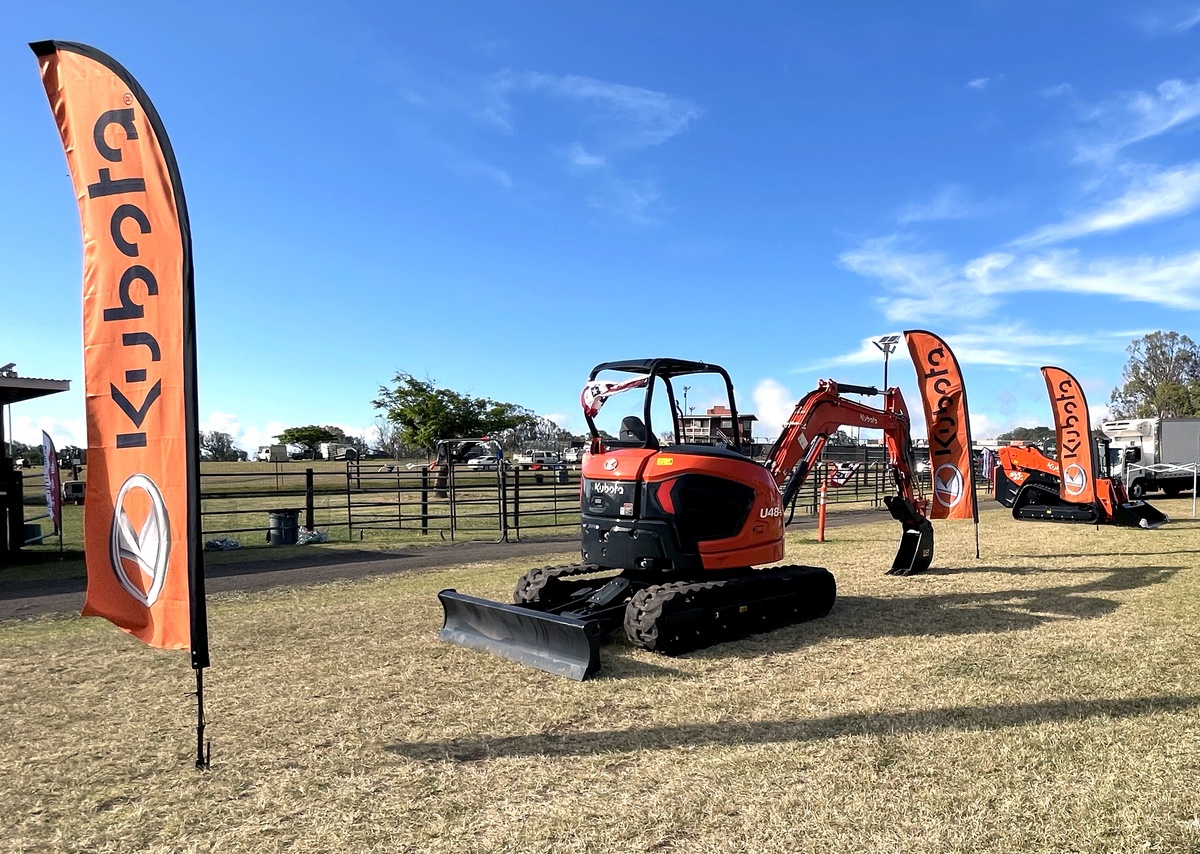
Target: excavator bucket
915,553
1138,514
562,645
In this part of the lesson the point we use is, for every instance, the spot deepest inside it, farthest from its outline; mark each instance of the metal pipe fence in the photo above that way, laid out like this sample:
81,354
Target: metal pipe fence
449,501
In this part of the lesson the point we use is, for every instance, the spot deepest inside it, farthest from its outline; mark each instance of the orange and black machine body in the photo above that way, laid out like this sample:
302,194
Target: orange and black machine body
1031,484
680,508
680,528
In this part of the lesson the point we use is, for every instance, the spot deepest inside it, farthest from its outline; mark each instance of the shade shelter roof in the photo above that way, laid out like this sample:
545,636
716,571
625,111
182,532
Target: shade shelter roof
14,389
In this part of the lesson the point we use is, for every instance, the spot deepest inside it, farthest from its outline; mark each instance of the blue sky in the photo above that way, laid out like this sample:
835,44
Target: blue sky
499,195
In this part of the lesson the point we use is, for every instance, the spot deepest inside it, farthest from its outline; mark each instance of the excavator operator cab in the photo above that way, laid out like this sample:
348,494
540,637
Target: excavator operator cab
662,415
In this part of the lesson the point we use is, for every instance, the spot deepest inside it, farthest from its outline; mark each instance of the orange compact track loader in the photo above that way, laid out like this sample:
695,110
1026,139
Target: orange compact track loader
672,531
1028,481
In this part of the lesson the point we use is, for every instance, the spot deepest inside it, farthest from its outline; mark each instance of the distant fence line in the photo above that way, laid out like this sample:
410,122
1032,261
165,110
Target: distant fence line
454,502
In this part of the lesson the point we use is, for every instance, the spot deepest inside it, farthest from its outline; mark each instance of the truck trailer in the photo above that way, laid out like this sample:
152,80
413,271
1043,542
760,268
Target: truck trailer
1152,454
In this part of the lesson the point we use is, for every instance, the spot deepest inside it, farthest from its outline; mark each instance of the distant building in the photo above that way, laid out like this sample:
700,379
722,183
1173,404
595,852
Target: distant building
716,425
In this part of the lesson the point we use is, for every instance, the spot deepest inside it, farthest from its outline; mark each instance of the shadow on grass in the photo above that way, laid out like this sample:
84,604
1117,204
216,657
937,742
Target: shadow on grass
946,613
1080,554
732,734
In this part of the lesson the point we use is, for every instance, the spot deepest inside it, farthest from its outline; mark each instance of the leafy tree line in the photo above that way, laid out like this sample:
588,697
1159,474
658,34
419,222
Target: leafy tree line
1161,379
416,413
1029,435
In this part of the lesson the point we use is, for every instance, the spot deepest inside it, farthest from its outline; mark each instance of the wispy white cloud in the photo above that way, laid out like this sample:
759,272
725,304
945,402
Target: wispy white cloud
1188,22
1140,116
1060,90
922,285
998,345
628,116
925,285
1151,195
1172,23
866,354
471,167
948,203
979,83
635,201
604,125
581,158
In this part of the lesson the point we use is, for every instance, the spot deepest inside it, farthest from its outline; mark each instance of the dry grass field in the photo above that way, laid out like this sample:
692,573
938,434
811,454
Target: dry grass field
1043,698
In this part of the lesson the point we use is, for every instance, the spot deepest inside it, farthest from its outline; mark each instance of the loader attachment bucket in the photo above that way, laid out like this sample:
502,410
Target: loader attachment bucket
1138,514
562,645
915,553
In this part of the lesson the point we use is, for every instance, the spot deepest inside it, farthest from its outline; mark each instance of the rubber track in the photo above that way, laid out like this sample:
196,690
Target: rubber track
1033,511
679,617
543,585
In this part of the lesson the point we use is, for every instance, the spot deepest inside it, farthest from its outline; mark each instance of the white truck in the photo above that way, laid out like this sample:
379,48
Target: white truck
339,451
1154,453
532,458
272,454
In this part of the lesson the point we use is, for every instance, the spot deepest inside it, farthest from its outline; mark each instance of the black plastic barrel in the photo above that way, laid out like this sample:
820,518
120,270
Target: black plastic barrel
282,527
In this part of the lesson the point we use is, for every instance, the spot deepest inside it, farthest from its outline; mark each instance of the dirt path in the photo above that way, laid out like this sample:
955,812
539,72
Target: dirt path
33,598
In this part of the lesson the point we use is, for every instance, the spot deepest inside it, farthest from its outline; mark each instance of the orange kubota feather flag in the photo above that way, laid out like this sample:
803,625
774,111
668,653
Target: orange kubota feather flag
1073,432
141,515
945,400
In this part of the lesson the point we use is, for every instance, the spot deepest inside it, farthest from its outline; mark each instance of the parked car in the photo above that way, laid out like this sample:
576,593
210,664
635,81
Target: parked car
484,463
573,455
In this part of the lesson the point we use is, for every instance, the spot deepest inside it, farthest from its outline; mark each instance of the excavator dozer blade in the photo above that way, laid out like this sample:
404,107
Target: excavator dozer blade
915,553
1139,514
562,645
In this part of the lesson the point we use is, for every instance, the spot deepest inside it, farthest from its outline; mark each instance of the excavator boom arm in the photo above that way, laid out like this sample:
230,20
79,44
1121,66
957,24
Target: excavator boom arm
816,417
822,412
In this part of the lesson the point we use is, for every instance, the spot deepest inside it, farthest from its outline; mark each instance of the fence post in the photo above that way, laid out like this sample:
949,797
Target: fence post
452,498
501,473
517,501
308,499
424,499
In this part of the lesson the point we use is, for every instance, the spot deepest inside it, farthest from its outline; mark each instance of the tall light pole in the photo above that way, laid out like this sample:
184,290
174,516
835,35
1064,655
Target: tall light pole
686,389
888,345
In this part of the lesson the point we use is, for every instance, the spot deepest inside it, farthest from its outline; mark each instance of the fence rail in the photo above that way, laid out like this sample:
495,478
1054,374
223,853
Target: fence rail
458,502
451,502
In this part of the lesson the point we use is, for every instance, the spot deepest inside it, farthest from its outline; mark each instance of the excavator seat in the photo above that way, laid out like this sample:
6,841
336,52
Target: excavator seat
633,432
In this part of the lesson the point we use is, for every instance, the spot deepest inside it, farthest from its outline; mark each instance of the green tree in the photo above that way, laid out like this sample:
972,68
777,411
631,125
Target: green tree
424,413
309,436
221,446
31,454
1029,435
1161,379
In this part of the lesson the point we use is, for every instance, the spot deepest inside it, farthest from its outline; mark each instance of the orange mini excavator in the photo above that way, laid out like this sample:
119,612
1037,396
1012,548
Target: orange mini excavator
672,530
1028,481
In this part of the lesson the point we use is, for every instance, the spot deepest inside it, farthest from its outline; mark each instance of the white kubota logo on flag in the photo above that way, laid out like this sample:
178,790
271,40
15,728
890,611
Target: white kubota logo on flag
149,548
1075,479
948,485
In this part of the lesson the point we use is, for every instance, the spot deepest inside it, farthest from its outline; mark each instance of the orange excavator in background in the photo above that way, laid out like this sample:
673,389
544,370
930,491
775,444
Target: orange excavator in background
1028,481
671,532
